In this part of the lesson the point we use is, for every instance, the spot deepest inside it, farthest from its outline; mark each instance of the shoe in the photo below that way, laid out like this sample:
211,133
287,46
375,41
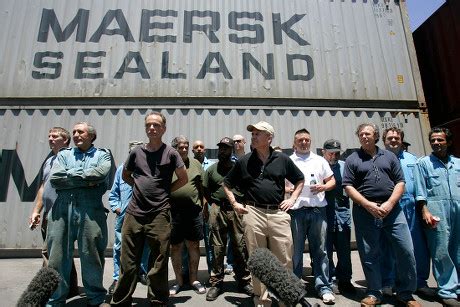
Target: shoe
174,290
112,286
450,302
426,292
346,287
143,279
409,301
73,292
388,291
328,298
198,287
228,269
213,293
246,289
370,300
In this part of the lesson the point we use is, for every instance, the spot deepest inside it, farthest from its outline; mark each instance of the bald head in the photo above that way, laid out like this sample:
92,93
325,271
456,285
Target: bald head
239,143
198,150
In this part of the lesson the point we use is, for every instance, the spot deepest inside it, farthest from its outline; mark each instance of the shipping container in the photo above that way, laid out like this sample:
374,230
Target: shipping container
212,67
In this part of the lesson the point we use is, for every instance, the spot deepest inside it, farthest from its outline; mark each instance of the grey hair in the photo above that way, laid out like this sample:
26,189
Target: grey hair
91,129
374,126
177,140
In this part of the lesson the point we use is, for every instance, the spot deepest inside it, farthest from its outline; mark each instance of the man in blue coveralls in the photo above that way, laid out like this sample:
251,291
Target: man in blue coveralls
80,179
393,139
437,188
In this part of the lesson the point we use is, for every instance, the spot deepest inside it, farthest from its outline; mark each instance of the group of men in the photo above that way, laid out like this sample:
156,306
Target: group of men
404,210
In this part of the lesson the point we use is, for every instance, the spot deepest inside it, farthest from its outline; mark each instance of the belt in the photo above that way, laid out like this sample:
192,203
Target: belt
224,205
262,206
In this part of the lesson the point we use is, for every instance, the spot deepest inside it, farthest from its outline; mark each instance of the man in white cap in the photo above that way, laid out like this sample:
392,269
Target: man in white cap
260,176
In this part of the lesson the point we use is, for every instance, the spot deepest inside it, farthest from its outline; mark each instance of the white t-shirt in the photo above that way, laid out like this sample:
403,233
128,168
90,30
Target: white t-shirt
318,166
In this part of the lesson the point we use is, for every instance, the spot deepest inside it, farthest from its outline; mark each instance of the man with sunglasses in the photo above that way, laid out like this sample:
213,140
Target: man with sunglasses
374,180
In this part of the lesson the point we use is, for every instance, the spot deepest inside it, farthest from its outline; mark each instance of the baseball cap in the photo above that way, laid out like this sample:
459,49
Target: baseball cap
226,141
262,126
332,145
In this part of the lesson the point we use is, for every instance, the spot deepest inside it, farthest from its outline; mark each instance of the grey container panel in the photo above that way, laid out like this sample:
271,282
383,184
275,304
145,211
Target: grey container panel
24,131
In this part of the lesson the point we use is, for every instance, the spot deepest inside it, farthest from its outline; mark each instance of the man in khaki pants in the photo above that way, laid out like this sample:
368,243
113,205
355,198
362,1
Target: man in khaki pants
260,176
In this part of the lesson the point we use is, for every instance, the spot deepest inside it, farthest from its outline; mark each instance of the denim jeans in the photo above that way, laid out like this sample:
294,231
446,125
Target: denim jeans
340,239
311,223
117,251
394,230
421,253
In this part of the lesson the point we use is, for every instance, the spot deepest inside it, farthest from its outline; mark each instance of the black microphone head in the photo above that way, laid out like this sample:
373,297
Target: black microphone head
278,279
40,288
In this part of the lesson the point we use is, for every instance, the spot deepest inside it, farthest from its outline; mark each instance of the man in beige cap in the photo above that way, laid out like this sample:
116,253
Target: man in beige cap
260,176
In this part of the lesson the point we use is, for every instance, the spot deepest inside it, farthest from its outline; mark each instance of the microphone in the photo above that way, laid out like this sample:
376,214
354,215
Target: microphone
278,279
40,288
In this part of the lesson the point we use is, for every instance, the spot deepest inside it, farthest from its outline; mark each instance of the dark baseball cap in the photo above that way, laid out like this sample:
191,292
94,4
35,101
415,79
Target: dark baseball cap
332,145
226,141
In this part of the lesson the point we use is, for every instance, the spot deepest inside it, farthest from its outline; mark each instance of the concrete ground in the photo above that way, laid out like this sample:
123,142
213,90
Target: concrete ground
16,274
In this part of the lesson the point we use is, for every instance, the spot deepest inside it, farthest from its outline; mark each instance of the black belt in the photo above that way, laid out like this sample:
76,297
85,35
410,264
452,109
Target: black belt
262,206
224,205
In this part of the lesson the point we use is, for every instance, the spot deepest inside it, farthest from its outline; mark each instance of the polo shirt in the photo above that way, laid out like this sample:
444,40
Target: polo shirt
373,177
263,183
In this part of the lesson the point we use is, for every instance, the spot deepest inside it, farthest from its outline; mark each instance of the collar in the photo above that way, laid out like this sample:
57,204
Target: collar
92,149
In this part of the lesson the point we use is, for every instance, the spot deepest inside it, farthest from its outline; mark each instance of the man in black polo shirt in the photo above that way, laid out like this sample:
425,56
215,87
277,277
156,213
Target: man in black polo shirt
260,176
374,180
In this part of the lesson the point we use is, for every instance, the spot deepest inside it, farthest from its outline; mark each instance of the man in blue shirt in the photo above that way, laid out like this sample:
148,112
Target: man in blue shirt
437,188
338,221
393,139
374,180
80,178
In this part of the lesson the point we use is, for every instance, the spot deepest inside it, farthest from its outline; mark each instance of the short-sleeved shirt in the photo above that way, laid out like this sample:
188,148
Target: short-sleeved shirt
212,182
152,174
49,193
311,165
373,177
188,198
263,183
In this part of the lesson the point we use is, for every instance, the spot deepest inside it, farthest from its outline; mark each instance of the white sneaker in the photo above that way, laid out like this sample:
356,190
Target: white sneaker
328,298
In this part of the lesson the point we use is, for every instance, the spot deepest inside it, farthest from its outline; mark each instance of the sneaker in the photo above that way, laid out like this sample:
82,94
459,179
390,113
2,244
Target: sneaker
409,301
388,291
213,293
112,287
328,298
346,287
246,289
426,292
369,301
198,287
228,269
174,290
450,302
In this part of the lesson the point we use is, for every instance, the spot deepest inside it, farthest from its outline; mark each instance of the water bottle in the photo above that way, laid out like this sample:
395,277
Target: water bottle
312,179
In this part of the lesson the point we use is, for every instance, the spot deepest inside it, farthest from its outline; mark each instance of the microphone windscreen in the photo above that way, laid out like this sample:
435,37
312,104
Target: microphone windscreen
278,279
40,288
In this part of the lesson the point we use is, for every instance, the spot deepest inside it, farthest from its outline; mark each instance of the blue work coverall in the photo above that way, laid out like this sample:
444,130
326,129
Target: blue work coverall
438,184
80,179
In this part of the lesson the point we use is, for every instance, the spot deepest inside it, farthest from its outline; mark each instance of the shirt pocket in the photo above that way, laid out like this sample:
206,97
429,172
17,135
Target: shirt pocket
434,180
410,171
